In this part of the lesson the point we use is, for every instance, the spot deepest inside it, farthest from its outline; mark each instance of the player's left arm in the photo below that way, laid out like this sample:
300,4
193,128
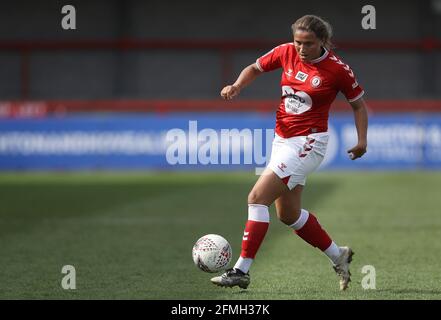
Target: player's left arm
361,123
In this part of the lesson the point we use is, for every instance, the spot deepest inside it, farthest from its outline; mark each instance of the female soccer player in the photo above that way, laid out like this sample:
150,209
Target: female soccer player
311,78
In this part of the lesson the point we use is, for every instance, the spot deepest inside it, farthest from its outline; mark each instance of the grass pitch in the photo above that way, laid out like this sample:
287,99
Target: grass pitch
130,235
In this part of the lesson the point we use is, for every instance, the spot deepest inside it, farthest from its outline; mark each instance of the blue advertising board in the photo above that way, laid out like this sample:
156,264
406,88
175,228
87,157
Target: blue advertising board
212,141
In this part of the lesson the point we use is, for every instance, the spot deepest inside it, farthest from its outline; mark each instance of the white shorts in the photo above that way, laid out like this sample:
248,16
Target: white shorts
292,159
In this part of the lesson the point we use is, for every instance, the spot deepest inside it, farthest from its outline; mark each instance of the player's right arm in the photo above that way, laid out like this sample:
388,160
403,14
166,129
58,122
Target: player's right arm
245,78
269,61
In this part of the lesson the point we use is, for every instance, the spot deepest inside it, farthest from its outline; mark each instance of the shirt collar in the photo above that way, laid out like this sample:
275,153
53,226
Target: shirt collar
321,58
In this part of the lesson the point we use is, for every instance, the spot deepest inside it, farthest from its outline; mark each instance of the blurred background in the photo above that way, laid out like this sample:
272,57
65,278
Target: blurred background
97,123
114,86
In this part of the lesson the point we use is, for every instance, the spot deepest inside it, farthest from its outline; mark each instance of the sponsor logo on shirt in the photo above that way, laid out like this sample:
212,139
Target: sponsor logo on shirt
296,102
301,76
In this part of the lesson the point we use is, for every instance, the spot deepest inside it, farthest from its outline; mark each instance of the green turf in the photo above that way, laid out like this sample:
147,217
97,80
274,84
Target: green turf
130,235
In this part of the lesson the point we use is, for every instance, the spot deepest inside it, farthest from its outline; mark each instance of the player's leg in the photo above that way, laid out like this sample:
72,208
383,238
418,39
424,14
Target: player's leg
311,153
289,205
304,223
307,227
267,188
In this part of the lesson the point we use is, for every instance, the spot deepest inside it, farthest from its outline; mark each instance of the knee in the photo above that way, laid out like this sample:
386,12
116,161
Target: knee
255,197
287,220
288,216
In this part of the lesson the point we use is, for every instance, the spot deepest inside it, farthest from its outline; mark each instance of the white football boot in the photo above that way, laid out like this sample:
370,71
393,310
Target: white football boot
231,278
341,267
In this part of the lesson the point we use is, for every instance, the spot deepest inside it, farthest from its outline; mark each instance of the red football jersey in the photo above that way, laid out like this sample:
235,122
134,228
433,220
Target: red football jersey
308,89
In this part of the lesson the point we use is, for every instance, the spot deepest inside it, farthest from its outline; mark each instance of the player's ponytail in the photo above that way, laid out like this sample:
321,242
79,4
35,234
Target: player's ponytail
321,28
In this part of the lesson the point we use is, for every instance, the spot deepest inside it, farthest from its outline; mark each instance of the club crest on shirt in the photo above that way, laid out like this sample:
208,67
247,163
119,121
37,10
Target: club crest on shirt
301,76
316,81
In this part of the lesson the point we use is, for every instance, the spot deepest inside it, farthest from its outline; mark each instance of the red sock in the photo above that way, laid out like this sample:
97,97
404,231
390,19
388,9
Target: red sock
313,233
255,230
253,236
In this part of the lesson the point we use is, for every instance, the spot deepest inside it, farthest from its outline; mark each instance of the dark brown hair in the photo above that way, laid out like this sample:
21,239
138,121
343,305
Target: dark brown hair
321,28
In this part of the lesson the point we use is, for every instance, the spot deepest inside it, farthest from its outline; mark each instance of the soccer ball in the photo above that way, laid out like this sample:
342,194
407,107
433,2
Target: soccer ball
212,253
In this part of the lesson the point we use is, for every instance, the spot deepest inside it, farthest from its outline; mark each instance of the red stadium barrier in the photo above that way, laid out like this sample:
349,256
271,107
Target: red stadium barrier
18,109
427,44
224,47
